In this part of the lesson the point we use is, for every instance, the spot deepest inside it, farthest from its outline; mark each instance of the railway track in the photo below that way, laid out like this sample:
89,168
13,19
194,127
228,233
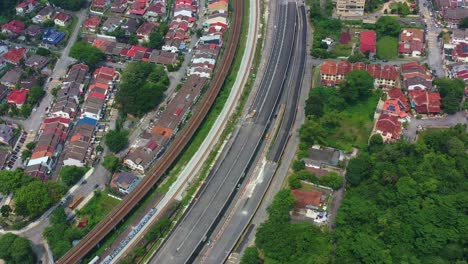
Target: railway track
117,215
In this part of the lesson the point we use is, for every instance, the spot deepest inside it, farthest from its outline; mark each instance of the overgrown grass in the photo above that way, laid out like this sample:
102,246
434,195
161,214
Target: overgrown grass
387,48
97,208
355,125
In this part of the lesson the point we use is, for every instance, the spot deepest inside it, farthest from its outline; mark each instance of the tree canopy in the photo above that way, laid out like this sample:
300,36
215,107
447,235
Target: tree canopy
70,175
16,249
250,256
116,140
73,5
111,163
387,26
451,91
87,53
142,88
407,203
284,242
358,86
463,23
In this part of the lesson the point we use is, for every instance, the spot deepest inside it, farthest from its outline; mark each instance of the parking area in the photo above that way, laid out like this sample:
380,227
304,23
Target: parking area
410,133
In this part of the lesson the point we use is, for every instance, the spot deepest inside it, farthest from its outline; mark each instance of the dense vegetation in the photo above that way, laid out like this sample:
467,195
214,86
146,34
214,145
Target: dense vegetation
87,53
156,38
463,23
111,163
387,26
408,203
451,91
342,117
60,234
31,196
324,26
142,88
73,5
284,242
15,249
332,179
116,140
70,175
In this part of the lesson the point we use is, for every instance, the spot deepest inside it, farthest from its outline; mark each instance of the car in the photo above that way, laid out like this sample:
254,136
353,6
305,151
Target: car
17,148
14,157
25,132
14,152
96,186
84,182
34,109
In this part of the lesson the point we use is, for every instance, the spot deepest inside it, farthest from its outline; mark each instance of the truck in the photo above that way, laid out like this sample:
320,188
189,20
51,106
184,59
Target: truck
75,202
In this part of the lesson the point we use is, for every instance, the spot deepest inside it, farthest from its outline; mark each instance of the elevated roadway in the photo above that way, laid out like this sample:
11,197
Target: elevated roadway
187,239
249,198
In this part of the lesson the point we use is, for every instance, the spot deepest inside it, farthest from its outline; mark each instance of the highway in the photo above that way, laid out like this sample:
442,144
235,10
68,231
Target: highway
201,218
240,214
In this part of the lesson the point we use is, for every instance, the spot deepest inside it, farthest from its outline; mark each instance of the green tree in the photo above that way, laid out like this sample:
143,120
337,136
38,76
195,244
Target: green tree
16,249
294,182
375,142
31,145
11,181
26,154
158,229
70,175
116,140
43,51
452,92
156,40
332,180
111,163
73,5
357,86
35,95
463,23
87,53
250,256
5,210
32,199
387,26
359,169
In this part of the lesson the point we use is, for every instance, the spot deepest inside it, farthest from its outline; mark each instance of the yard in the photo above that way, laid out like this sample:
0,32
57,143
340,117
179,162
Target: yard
387,48
355,126
97,208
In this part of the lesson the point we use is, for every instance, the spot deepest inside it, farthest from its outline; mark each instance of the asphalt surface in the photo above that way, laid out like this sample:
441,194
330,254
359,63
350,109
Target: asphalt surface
434,51
183,244
233,224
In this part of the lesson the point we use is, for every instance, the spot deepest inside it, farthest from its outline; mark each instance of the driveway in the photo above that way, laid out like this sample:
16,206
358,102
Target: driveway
410,133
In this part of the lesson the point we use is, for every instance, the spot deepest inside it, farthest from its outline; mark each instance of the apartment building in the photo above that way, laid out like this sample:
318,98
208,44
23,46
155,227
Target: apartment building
350,8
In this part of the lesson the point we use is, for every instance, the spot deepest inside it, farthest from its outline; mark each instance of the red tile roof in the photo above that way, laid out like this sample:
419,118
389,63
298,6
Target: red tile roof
367,40
145,29
106,73
62,16
425,102
92,22
345,38
17,97
97,95
304,198
15,55
14,26
389,124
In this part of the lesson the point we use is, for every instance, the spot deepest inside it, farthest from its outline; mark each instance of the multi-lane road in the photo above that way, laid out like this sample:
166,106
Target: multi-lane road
195,228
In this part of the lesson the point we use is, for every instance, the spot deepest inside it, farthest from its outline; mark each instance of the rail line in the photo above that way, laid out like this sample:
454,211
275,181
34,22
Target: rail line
117,215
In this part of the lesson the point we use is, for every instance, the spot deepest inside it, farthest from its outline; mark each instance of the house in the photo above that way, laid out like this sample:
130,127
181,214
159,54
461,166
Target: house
62,19
13,27
6,134
29,82
219,6
368,42
106,74
185,11
216,40
98,5
49,144
395,107
52,36
17,97
12,77
33,31
119,6
416,76
162,57
125,181
45,14
459,36
79,148
425,102
453,16
411,42
389,127
111,24
15,55
4,92
92,23
36,62
216,18
141,158
145,30
154,11
460,52
384,77
38,171
319,156
26,6
309,204
66,106
138,7
130,25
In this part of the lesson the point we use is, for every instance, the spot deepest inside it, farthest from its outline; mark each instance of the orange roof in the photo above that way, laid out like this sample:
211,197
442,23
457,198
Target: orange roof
304,198
216,4
41,154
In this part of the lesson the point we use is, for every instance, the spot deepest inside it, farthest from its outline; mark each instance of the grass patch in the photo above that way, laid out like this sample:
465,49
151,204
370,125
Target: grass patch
97,208
387,48
355,126
343,50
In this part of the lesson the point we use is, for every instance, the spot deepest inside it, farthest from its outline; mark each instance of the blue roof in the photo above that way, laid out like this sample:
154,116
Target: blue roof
52,36
87,120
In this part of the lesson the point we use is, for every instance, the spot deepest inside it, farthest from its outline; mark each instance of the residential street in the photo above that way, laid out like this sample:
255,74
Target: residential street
410,133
